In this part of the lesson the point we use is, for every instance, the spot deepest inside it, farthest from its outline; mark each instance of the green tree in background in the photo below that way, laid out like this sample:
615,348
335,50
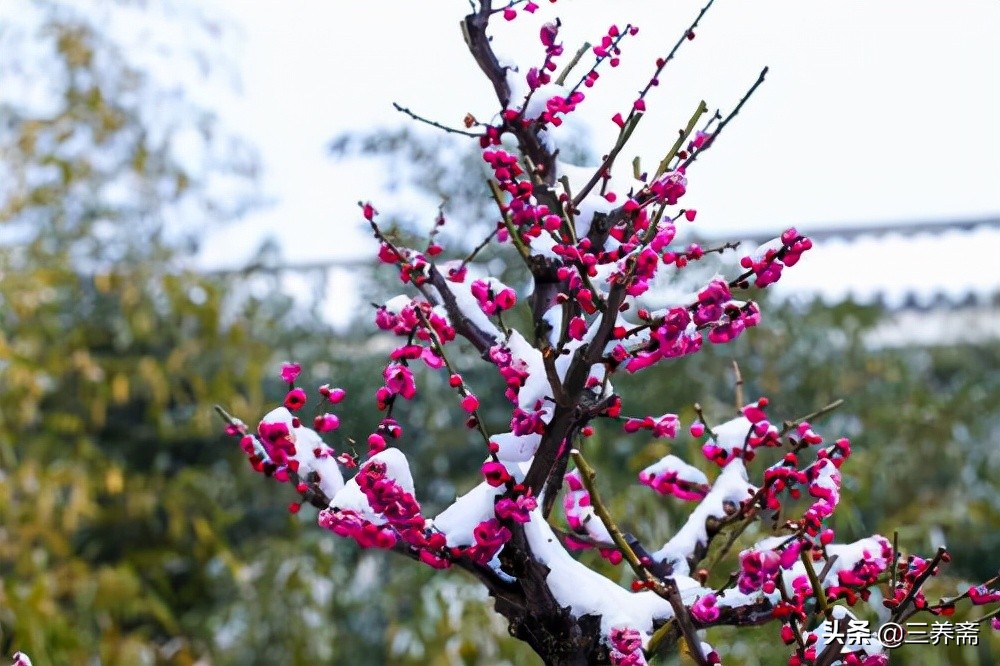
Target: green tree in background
129,534
117,511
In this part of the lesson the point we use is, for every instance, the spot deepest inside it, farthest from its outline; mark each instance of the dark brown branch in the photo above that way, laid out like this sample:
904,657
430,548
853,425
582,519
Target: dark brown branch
751,615
562,421
904,611
683,619
673,52
479,338
833,651
433,123
474,30
728,119
479,248
549,628
555,481
822,411
555,440
828,566
464,326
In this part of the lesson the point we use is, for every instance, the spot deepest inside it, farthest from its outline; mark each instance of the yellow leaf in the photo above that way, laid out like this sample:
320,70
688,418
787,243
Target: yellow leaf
119,389
102,281
203,531
114,481
685,650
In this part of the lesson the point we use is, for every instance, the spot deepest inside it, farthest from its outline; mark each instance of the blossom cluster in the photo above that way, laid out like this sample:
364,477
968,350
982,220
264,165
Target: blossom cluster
626,647
672,476
766,263
584,522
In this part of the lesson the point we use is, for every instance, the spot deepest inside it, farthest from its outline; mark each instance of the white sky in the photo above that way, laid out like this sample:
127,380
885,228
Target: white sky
873,111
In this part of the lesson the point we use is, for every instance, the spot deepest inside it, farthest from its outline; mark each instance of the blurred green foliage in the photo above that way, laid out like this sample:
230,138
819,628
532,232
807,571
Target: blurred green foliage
132,533
121,519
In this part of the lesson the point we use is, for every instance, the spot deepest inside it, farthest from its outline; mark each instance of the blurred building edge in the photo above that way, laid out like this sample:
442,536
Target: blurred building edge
945,312
905,229
941,314
974,319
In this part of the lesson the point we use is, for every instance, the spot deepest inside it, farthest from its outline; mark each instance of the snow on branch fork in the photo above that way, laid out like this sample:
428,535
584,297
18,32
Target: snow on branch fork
592,243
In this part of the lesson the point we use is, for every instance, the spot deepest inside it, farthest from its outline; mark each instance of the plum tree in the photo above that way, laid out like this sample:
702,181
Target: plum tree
596,244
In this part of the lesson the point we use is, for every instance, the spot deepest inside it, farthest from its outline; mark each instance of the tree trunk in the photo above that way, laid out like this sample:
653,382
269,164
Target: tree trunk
538,620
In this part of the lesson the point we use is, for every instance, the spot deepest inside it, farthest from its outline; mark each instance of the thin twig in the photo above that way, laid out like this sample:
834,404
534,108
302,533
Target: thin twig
659,636
623,136
895,560
989,616
789,425
817,584
464,326
439,350
601,58
673,52
588,475
828,566
634,114
990,584
568,206
729,118
479,248
738,282
681,138
701,417
582,538
515,238
434,123
901,613
780,580
667,589
573,63
480,339
313,494
733,532
739,386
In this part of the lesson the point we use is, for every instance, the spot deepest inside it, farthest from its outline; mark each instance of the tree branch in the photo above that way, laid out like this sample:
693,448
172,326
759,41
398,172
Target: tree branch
474,30
479,338
433,123
728,119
